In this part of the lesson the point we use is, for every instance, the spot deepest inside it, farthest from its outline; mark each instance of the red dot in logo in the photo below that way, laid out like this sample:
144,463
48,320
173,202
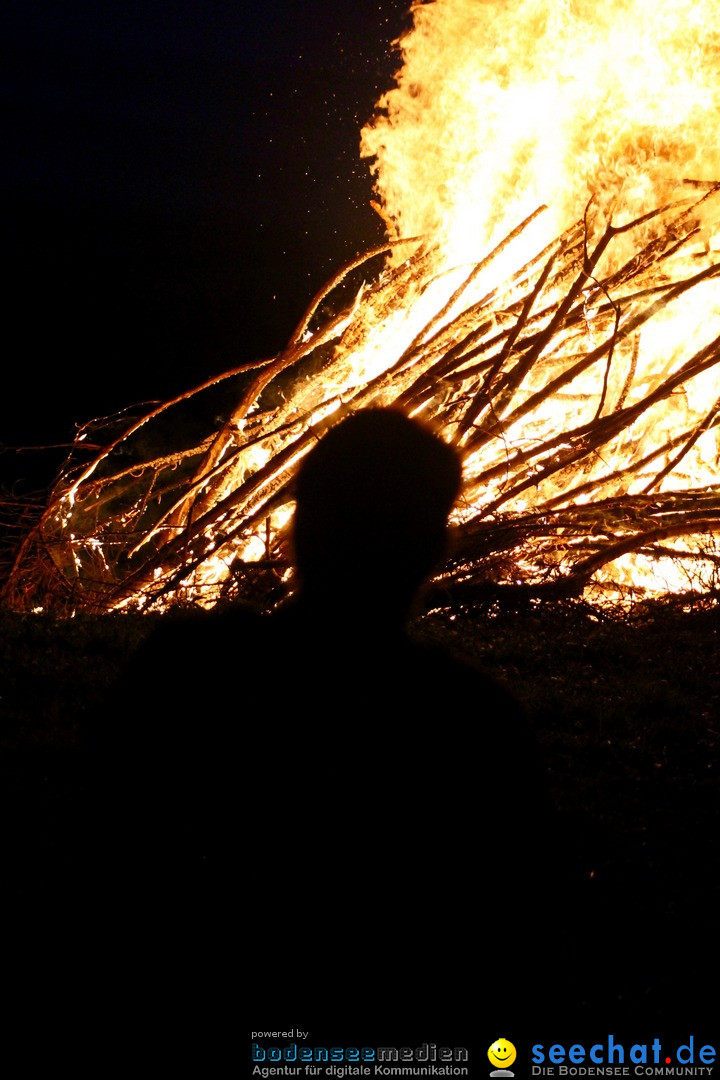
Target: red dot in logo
668,1060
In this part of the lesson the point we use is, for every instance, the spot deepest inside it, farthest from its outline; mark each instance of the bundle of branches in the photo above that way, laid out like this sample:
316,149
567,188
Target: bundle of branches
586,419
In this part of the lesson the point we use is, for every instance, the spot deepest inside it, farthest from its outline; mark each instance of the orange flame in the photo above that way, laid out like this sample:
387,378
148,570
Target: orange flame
502,105
584,359
507,104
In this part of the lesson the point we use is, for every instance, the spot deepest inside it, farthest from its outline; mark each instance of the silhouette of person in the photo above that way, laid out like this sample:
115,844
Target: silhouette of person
354,779
390,773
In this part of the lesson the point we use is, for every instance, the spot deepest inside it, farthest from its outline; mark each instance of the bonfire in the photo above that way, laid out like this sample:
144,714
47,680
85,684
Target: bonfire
548,299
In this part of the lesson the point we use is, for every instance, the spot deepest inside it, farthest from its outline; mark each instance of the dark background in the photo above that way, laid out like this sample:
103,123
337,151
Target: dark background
178,179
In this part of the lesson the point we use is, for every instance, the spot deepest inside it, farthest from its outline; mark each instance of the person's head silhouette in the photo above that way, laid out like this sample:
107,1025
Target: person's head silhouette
373,499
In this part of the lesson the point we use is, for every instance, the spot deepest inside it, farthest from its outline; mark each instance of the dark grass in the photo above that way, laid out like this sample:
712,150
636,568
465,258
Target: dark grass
626,709
626,706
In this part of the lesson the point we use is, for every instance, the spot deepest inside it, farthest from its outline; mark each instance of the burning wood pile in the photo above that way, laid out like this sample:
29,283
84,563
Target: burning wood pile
590,453
548,299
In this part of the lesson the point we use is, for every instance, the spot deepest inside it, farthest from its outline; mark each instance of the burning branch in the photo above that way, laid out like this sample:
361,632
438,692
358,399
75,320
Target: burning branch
587,421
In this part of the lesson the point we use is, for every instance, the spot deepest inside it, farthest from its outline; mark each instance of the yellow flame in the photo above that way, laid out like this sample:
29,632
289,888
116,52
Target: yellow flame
502,105
596,112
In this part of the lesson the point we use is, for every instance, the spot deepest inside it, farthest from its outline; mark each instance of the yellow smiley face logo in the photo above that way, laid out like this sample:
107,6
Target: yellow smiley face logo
502,1054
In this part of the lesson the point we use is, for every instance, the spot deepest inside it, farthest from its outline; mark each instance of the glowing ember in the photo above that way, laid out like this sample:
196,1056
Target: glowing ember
550,298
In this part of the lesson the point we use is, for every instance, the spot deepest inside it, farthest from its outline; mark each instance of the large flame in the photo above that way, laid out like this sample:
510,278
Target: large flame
595,109
548,171
501,105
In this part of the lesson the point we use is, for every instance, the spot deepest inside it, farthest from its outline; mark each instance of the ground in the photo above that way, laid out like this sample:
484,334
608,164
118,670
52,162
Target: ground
626,709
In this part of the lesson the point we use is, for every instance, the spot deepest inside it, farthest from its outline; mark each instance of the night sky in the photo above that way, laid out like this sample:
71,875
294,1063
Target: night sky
178,180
